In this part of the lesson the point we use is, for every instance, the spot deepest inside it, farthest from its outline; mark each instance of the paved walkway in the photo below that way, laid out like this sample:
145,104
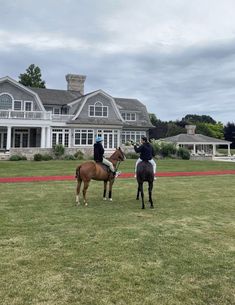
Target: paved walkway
123,175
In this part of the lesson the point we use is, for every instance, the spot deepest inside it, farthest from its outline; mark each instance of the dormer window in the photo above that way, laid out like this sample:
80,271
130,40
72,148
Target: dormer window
129,116
28,106
98,110
5,102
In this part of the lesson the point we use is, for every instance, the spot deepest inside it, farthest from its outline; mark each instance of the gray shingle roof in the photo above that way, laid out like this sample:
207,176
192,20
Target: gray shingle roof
63,97
56,97
197,138
127,104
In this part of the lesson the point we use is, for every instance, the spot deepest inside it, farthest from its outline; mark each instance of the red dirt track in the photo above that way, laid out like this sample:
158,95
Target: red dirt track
123,175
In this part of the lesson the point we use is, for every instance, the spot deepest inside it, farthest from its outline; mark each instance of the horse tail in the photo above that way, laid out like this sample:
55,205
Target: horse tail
77,174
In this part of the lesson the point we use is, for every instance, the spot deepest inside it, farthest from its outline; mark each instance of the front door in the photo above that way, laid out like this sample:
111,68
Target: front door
21,138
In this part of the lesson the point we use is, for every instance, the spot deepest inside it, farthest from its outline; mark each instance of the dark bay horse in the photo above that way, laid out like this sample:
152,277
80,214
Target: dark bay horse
90,170
145,174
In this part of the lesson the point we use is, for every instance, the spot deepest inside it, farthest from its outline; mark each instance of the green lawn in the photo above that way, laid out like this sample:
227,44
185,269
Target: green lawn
180,253
46,168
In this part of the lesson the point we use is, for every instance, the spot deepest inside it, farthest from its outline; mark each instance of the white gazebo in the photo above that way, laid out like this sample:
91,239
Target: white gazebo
198,144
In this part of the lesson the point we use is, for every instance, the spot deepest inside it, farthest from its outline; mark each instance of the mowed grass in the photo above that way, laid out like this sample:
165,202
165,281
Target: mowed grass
47,168
180,253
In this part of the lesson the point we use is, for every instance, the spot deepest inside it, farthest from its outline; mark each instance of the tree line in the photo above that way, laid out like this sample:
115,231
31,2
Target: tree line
205,125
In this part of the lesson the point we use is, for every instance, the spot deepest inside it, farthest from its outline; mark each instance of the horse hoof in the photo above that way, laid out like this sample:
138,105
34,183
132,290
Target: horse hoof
104,198
110,199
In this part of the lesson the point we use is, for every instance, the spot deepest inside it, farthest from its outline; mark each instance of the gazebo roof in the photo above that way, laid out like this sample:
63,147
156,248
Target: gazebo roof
195,138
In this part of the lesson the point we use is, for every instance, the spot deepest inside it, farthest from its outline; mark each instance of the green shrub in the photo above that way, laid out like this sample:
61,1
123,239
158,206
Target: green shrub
47,157
183,153
69,157
168,149
58,150
132,155
79,155
37,157
156,147
17,158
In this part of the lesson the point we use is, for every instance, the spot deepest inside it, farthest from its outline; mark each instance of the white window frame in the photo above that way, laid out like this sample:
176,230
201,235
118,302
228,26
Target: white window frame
128,116
79,137
63,133
25,105
55,109
110,136
128,135
21,104
103,109
12,100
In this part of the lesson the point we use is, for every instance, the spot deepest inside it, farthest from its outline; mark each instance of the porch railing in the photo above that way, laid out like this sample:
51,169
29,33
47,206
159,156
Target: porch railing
33,115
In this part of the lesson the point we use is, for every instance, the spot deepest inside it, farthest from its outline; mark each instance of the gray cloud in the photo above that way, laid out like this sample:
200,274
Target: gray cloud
173,74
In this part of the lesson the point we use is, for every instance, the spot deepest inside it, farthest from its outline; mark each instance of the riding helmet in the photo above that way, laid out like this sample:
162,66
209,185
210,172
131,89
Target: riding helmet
99,139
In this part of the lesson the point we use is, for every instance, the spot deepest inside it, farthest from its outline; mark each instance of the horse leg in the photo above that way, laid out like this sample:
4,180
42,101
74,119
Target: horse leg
141,186
85,187
150,194
110,189
138,192
105,188
79,182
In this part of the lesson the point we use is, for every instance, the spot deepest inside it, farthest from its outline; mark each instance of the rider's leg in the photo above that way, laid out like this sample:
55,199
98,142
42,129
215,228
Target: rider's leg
109,164
136,163
154,166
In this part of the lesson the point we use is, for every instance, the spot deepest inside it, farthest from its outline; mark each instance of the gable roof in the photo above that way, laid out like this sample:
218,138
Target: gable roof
24,88
196,138
55,96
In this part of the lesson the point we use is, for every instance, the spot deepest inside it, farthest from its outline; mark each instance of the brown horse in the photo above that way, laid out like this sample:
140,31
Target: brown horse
90,170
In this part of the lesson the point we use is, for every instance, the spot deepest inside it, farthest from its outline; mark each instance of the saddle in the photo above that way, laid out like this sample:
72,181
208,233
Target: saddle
106,168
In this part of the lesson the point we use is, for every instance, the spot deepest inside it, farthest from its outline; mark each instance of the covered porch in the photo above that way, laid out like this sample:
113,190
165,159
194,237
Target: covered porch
24,137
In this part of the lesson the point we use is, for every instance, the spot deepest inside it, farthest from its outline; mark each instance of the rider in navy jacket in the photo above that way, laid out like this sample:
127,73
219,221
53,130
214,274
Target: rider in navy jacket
145,150
146,154
98,152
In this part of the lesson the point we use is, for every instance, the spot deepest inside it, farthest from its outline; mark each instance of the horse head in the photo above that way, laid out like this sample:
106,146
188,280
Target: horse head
118,155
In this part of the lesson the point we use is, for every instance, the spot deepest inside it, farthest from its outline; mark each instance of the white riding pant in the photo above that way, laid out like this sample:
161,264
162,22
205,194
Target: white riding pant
150,161
109,164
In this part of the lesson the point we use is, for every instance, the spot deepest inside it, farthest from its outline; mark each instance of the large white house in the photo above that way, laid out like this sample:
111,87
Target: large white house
34,119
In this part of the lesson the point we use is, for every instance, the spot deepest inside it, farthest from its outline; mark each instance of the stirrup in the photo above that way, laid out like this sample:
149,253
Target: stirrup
116,174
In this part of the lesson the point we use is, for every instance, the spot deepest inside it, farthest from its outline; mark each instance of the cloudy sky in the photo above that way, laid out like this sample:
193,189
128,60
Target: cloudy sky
175,56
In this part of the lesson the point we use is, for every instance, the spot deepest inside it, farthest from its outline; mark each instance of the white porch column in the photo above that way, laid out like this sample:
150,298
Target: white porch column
214,149
194,149
48,137
229,152
43,133
8,137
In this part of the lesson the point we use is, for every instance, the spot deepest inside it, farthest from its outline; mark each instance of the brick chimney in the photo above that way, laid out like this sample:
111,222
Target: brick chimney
190,129
75,82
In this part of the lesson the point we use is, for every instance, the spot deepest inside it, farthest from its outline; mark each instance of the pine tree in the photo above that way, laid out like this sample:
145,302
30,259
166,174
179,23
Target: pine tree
32,77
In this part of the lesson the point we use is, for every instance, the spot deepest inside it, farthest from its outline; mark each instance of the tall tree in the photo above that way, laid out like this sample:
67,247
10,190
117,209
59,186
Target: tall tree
153,119
32,77
195,118
229,133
